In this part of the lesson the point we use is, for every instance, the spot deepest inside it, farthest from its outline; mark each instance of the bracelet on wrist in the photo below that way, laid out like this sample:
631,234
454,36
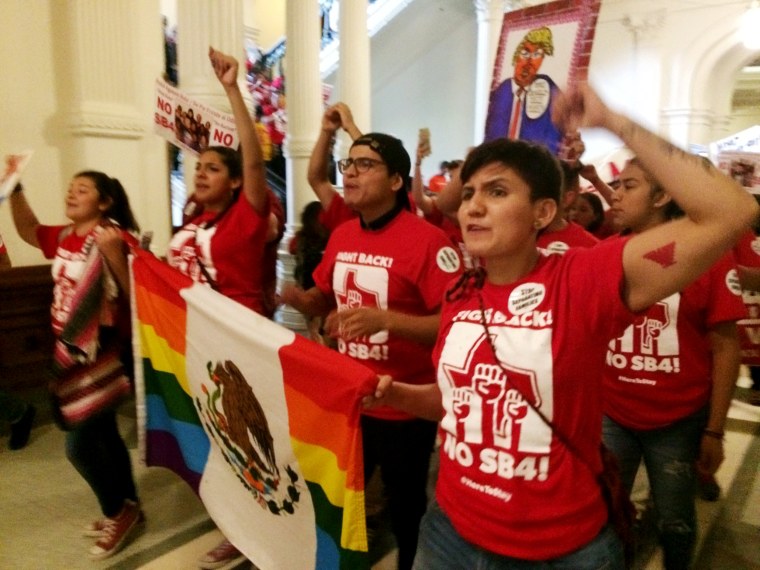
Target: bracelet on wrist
714,433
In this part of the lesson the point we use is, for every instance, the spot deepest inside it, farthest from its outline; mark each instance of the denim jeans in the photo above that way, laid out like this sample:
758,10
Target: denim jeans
441,548
670,456
402,450
100,455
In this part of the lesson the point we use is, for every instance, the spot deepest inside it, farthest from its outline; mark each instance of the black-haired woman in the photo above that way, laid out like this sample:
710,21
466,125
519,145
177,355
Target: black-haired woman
90,259
224,246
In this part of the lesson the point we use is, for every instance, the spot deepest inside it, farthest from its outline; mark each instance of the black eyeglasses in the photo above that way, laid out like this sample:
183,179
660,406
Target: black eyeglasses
362,164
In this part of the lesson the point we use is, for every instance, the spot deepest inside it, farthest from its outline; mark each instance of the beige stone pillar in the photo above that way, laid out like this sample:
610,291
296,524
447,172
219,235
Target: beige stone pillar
354,83
354,71
304,104
202,24
106,53
490,14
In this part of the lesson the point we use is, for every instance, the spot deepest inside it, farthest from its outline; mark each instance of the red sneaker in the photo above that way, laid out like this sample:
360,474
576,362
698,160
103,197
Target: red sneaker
97,527
116,531
221,555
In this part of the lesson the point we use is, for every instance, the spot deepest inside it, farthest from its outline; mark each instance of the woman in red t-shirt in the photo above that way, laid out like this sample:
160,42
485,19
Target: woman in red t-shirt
225,246
521,348
670,376
99,210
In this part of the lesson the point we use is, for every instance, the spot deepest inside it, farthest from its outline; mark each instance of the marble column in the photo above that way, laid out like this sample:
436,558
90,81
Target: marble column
490,14
202,24
304,104
104,122
354,81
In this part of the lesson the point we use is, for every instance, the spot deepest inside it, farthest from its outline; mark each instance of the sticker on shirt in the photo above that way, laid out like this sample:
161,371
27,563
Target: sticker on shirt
557,247
526,297
755,245
733,283
447,259
537,99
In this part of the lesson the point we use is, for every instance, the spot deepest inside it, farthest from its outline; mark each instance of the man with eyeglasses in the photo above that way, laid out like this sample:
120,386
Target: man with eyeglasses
520,108
385,272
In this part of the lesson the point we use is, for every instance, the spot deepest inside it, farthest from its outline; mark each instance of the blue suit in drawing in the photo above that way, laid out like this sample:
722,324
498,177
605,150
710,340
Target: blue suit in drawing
536,123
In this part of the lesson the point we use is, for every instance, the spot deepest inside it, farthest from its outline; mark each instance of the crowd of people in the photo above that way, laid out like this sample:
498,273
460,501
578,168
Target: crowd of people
507,315
270,109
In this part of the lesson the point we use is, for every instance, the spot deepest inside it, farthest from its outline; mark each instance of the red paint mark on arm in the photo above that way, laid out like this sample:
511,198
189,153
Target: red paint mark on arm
664,256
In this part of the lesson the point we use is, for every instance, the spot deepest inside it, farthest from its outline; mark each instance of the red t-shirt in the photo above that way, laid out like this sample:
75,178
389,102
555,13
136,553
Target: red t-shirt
337,213
69,258
68,264
505,481
403,266
231,251
747,252
660,369
3,249
572,235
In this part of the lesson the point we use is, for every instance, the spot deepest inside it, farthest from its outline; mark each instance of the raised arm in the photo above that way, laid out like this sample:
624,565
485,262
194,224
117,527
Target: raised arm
423,201
588,172
663,260
335,117
347,120
254,168
23,217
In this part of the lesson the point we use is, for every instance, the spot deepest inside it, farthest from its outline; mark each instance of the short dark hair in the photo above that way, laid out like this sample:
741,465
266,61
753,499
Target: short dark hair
532,162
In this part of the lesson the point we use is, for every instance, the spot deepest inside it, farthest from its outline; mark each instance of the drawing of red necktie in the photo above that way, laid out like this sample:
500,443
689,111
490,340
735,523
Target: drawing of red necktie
516,119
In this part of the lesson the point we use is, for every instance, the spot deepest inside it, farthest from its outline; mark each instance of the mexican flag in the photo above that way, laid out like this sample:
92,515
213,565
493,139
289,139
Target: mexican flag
261,422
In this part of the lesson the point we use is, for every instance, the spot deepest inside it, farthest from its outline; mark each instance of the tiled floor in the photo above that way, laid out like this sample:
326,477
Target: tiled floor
43,504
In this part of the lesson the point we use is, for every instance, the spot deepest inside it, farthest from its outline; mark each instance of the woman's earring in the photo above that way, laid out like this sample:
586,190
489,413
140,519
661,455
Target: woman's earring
537,224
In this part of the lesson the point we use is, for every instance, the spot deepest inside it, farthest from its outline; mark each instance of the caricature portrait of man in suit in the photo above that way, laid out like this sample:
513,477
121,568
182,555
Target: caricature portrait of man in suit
520,108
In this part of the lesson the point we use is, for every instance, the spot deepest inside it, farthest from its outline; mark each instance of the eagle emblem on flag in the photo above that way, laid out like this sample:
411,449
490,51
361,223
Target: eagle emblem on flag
241,430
